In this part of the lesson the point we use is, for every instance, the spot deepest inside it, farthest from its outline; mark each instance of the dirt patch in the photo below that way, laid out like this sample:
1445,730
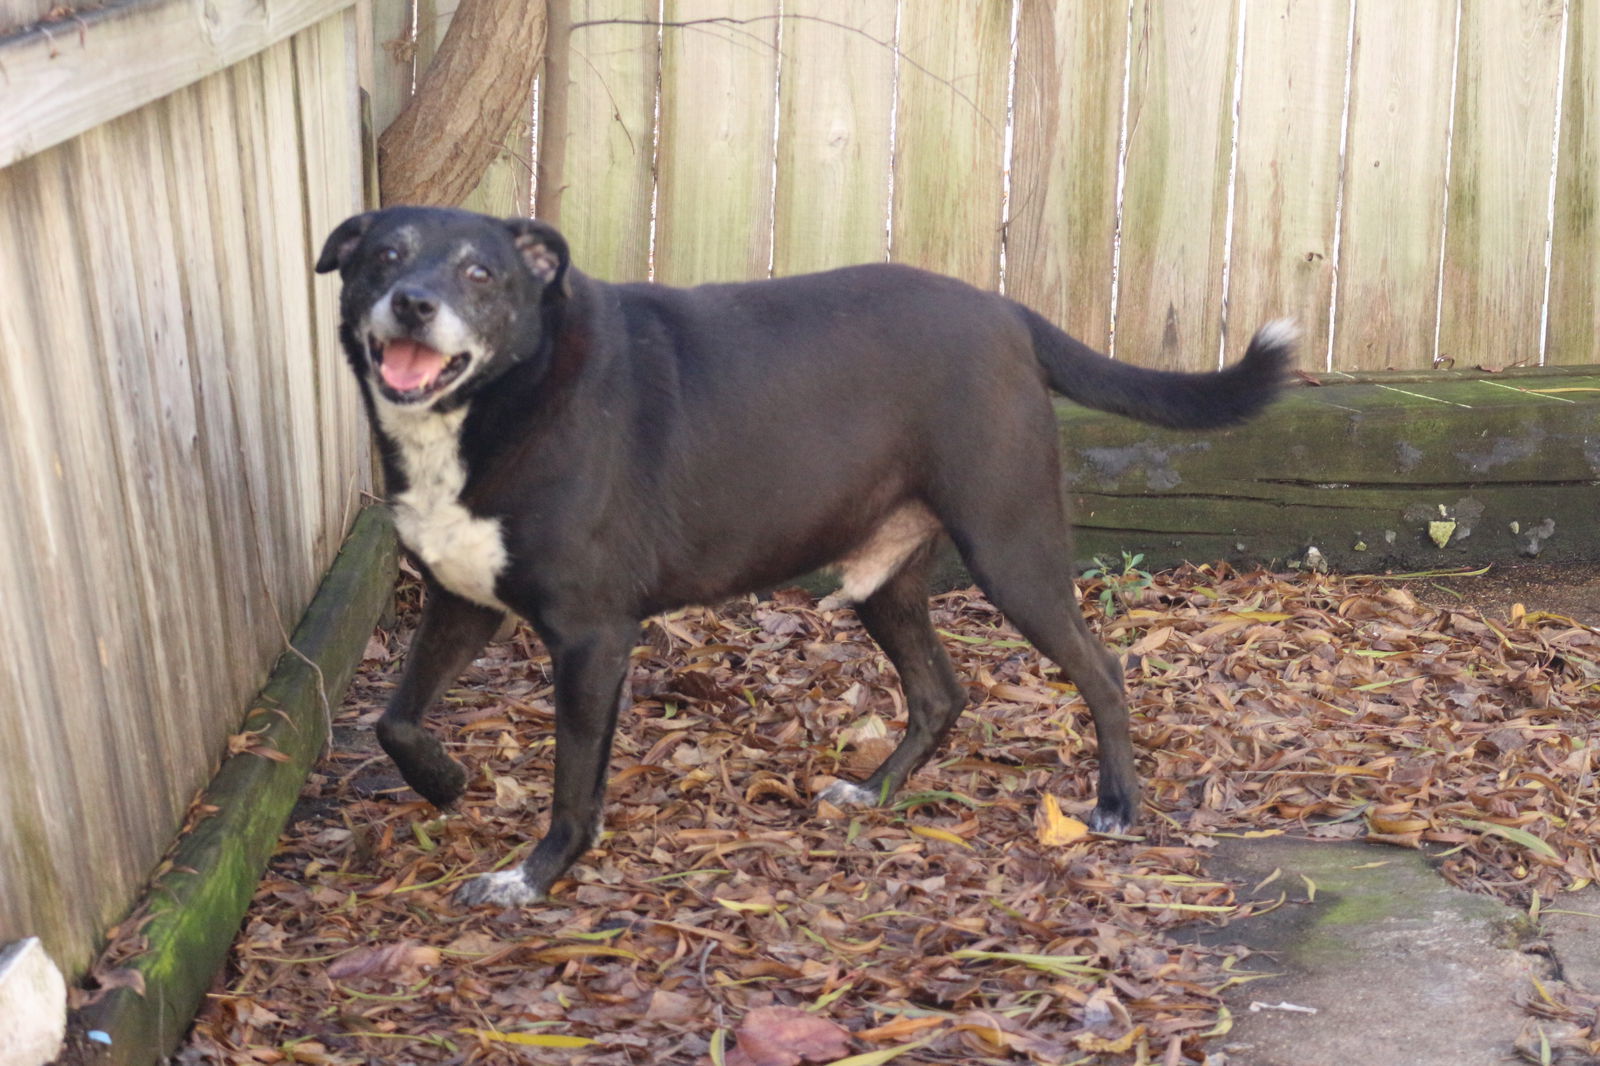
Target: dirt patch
1572,589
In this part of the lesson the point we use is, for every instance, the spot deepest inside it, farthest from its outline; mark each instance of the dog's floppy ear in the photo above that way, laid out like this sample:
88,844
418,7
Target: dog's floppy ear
343,240
543,250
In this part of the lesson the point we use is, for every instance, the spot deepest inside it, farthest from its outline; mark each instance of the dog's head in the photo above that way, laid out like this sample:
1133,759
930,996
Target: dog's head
437,302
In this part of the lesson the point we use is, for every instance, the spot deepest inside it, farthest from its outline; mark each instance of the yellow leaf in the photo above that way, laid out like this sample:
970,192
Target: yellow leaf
877,1058
1055,828
1100,1045
568,952
742,906
529,1039
935,833
1261,616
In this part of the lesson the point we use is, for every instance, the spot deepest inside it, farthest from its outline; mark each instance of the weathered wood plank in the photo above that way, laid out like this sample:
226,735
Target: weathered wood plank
393,59
714,195
607,126
104,181
193,909
836,99
244,621
291,394
116,58
1492,295
1575,247
1357,471
50,423
949,152
1394,182
1286,181
1174,206
331,184
14,14
1068,118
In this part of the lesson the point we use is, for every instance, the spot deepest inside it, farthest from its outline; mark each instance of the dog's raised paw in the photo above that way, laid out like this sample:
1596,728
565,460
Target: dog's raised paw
846,794
508,888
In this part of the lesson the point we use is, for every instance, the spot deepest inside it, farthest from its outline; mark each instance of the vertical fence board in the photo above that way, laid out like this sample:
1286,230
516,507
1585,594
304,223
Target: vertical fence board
331,179
1495,231
714,201
137,327
190,120
1287,178
292,396
1394,184
949,153
608,163
1574,281
1174,208
1068,117
394,52
257,513
56,432
836,98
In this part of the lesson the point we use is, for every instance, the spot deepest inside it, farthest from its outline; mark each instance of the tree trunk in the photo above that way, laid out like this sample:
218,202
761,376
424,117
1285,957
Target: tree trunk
478,86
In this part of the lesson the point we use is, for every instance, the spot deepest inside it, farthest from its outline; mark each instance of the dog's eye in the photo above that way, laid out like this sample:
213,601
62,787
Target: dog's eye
476,272
389,255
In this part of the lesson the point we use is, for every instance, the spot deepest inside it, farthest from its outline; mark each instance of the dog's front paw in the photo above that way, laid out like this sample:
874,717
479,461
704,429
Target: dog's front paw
848,794
1111,818
508,888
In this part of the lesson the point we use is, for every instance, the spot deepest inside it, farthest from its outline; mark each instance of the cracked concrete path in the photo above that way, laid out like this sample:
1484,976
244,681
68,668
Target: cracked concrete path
1379,961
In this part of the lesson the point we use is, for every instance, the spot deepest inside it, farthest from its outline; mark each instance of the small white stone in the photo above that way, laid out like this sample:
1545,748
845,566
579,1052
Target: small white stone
33,1005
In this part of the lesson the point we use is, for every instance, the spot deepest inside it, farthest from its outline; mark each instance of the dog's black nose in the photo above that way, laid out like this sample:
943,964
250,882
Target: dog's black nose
414,307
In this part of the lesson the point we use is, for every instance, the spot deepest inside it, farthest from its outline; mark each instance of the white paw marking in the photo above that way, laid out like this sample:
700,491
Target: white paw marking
846,794
508,888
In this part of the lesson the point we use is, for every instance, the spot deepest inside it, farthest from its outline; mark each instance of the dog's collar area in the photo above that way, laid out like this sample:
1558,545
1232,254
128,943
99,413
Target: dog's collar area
409,372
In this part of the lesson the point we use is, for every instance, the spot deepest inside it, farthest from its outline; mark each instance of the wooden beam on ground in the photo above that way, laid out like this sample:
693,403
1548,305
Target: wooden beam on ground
71,75
1401,472
197,897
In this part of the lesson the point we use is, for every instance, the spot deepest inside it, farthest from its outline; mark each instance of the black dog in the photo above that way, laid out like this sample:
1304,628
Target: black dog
586,455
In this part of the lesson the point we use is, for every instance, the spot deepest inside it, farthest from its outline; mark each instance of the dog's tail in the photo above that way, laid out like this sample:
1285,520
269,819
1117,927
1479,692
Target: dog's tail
1165,397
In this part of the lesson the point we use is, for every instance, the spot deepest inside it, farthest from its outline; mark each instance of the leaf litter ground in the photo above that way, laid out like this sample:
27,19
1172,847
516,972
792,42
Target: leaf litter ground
724,918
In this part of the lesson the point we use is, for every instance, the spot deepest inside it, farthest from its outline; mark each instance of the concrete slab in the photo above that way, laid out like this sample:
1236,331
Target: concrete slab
1571,924
1392,965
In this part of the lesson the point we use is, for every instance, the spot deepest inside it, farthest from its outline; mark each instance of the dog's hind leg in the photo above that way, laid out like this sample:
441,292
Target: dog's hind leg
451,632
590,670
896,616
1021,562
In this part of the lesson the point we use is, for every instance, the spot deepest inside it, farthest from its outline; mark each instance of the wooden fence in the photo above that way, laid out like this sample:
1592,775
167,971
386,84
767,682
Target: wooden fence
1413,180
181,450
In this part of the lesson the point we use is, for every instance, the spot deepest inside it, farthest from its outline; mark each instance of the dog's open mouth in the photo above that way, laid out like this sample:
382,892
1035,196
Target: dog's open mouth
412,371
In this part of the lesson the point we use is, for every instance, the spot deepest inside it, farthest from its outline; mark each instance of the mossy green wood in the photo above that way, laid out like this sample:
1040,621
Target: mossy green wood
193,907
1412,475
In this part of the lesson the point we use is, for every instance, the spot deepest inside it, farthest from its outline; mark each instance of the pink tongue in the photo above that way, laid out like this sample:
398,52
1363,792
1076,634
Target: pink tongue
408,365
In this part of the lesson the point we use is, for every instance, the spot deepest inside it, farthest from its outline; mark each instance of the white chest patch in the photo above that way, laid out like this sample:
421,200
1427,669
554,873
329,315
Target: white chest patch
465,552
